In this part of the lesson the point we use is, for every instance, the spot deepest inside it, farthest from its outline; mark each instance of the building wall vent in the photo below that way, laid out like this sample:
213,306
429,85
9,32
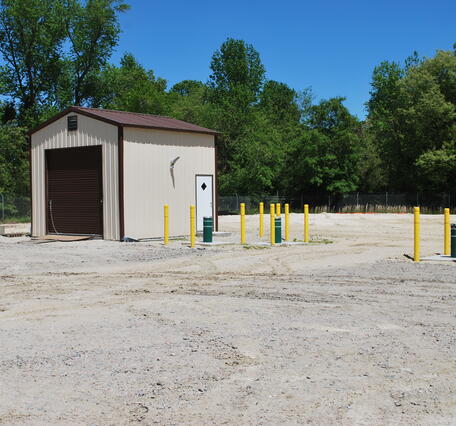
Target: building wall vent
72,122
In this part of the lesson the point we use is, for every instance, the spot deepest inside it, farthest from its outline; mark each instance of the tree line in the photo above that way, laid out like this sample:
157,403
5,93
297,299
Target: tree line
56,53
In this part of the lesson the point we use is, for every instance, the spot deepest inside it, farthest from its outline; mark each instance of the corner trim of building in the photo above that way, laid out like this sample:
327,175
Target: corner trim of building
216,183
120,149
29,140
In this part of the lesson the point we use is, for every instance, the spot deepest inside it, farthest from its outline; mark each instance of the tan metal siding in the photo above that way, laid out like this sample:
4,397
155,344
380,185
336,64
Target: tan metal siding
90,132
147,179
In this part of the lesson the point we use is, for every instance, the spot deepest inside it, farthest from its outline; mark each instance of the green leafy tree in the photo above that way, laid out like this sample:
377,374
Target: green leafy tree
234,86
188,87
237,74
412,119
53,52
8,113
257,160
372,175
325,157
131,87
14,176
436,165
427,118
280,103
439,168
189,102
32,33
93,32
442,67
386,100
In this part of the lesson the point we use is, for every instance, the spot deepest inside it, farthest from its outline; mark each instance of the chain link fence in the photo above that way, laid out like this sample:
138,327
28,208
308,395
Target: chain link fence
356,202
14,209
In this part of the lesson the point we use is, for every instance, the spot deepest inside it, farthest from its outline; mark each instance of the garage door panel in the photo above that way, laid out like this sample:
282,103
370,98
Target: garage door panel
74,190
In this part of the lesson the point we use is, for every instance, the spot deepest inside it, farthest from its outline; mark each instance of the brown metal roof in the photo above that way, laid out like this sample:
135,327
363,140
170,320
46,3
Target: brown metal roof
131,119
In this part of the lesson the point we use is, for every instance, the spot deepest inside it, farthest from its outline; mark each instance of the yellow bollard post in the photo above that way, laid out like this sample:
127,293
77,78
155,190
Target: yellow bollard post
416,229
242,223
306,223
287,222
192,226
272,224
447,232
165,225
277,209
261,219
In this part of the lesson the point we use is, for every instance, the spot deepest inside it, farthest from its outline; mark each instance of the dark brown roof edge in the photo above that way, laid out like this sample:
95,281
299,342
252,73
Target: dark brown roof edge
82,111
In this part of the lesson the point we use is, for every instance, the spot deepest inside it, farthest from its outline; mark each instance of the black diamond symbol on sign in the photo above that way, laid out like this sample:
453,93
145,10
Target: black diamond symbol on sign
204,186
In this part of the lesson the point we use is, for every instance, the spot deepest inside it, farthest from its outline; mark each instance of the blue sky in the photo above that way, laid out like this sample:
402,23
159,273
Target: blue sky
331,46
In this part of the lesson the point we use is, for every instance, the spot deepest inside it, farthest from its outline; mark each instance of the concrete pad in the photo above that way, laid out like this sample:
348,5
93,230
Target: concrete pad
64,238
439,258
294,243
216,243
283,243
216,234
14,228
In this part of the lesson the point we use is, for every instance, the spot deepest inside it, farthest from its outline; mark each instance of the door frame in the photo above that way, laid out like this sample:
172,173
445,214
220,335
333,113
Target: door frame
46,195
196,192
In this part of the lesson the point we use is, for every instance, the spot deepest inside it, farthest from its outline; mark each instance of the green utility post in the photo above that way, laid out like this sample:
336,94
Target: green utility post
453,240
207,229
278,230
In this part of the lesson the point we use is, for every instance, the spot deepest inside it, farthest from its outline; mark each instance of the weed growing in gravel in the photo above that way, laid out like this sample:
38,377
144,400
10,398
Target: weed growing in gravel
315,241
322,241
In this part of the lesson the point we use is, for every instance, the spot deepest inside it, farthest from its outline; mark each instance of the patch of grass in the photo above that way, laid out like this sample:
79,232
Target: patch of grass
247,247
322,241
315,241
18,219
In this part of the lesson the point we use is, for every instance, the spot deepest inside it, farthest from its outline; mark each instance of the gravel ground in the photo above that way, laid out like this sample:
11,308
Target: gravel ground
347,332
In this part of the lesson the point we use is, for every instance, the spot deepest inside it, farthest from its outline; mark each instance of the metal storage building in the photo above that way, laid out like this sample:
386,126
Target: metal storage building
108,173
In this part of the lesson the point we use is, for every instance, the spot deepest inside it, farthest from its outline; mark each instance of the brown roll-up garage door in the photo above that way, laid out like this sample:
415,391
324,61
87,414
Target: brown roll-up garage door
74,191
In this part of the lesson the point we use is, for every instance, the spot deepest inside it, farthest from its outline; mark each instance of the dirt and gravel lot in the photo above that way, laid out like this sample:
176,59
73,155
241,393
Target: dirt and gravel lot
345,330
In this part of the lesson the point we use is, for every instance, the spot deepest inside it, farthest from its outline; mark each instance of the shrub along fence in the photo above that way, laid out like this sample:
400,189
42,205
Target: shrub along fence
14,209
356,202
